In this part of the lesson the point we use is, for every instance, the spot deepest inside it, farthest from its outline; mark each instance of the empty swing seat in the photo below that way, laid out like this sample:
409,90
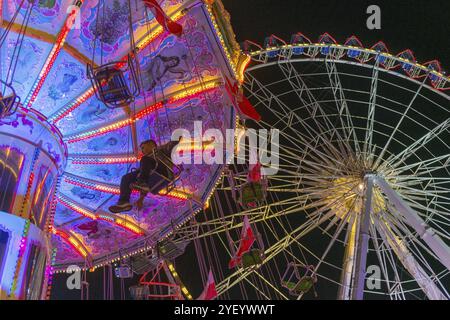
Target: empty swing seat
141,264
169,250
112,86
252,258
139,292
8,105
304,285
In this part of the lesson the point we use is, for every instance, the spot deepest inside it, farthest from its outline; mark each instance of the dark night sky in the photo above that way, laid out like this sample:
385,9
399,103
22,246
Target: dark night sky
421,26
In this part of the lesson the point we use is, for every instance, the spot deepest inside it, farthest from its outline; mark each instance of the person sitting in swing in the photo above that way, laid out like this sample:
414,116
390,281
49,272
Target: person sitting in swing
155,174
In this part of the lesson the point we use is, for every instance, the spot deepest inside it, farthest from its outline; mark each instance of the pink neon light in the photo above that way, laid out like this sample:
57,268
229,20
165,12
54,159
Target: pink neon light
60,40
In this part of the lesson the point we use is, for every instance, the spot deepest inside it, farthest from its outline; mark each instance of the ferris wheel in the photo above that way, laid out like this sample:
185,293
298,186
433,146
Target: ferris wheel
359,207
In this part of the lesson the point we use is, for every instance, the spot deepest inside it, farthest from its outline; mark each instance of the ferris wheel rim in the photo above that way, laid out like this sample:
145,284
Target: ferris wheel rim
352,63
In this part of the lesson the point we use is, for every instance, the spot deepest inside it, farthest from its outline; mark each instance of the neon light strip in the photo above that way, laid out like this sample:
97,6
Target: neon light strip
108,160
60,40
122,222
186,94
73,241
438,84
222,41
182,147
177,194
91,91
77,209
49,273
22,250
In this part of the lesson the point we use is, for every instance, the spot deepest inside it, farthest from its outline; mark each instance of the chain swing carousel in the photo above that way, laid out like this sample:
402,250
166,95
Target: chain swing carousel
84,83
352,189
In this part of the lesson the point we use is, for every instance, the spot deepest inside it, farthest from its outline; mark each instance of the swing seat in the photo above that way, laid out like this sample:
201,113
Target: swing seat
112,88
123,272
110,84
169,250
252,192
304,285
139,292
252,258
141,264
8,103
288,285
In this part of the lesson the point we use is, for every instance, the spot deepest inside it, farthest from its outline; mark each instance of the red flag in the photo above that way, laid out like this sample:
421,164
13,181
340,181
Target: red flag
163,19
247,239
254,174
244,105
209,293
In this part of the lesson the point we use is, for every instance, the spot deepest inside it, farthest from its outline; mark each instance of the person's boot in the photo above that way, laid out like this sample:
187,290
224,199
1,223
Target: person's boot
121,206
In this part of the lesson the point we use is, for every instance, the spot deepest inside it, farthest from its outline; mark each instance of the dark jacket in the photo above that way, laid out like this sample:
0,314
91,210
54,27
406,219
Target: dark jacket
159,162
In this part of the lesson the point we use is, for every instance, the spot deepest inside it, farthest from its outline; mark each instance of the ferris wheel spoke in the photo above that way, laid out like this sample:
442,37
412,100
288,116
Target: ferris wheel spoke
429,193
311,168
367,147
336,234
349,255
319,160
341,102
424,167
264,96
396,160
387,259
344,292
307,144
306,97
270,96
262,293
271,285
394,132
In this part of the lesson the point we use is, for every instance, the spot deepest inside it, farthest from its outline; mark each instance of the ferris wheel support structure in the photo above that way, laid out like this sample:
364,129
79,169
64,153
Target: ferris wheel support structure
363,241
400,248
427,233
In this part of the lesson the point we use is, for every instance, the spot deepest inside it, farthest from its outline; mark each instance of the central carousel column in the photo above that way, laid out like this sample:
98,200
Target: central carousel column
32,156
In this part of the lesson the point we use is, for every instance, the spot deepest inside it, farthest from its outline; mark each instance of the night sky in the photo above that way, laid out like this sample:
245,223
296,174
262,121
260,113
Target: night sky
421,26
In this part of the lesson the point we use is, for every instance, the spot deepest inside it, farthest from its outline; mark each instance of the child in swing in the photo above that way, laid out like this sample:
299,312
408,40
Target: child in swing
153,175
